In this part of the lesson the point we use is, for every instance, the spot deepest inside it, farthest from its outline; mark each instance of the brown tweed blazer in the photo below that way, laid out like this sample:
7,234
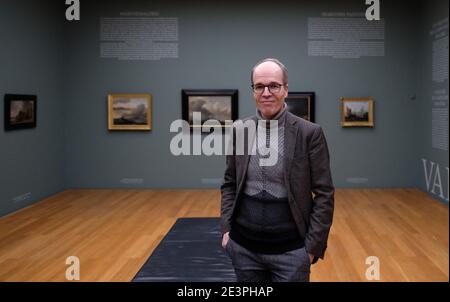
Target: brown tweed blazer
307,177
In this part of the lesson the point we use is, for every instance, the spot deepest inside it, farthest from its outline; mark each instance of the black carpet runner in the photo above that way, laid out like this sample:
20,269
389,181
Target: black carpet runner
190,252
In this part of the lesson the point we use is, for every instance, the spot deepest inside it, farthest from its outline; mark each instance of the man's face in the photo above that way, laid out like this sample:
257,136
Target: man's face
269,103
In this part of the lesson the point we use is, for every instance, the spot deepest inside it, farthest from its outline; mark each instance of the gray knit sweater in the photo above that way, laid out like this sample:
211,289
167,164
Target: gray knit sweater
267,178
263,221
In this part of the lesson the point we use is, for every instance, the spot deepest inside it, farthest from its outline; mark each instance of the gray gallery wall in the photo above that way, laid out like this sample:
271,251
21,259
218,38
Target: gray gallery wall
218,45
436,159
31,160
219,41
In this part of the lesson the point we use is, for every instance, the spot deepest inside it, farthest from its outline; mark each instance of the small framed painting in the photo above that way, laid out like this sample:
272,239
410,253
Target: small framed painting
357,112
130,112
20,111
302,104
216,105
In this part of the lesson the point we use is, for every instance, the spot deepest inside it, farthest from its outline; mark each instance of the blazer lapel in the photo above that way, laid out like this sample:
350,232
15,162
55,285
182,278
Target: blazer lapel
290,138
248,145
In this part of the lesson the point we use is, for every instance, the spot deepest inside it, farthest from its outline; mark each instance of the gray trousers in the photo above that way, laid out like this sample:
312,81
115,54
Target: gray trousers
292,266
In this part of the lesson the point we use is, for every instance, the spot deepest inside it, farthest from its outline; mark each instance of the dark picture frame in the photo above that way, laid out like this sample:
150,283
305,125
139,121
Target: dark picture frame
20,111
302,104
216,104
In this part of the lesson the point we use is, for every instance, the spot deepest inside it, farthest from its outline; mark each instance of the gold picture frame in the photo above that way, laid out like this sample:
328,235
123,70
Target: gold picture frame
357,112
130,112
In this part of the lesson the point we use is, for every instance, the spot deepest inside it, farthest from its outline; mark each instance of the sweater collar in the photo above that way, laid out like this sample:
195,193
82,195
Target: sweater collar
280,116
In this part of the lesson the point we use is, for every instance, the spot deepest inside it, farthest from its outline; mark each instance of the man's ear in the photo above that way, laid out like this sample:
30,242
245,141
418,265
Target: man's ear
286,91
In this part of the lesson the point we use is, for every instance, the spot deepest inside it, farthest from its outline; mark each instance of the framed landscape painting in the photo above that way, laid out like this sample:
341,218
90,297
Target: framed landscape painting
20,111
357,112
130,112
218,105
302,104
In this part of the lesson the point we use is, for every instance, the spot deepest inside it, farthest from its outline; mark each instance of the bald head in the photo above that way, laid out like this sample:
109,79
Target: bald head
269,63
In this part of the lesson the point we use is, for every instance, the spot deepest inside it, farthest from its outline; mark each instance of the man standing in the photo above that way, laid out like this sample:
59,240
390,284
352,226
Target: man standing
276,219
